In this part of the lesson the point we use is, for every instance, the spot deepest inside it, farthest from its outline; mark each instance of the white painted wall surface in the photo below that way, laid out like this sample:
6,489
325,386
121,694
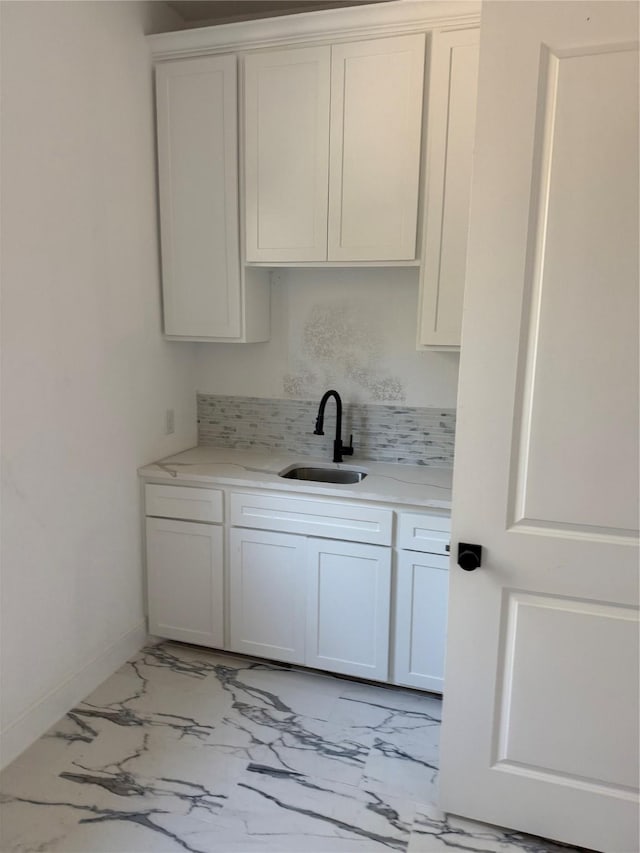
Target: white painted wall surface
352,329
86,375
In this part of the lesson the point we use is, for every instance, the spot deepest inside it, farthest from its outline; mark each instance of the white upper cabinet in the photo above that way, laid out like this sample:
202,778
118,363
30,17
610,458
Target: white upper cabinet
324,150
204,295
452,110
332,151
374,174
287,154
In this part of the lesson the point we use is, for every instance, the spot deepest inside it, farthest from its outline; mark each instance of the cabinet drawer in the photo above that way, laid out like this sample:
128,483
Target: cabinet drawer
312,517
427,533
183,502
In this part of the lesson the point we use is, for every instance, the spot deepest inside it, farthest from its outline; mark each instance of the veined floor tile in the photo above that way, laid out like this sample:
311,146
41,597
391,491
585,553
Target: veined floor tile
93,830
35,772
302,693
185,749
385,712
404,766
318,750
29,828
125,701
274,809
434,832
182,666
161,777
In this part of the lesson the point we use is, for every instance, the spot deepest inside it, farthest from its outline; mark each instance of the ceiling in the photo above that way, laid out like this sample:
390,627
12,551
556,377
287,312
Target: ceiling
195,12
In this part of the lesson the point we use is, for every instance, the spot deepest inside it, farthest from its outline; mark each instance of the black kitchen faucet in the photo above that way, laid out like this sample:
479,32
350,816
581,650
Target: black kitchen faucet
338,448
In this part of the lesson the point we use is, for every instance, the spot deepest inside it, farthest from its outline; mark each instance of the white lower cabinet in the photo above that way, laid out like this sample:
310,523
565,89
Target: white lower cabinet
185,580
312,601
325,601
348,596
421,593
267,594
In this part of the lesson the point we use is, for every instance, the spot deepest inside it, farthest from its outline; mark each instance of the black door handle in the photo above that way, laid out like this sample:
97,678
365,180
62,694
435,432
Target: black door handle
469,556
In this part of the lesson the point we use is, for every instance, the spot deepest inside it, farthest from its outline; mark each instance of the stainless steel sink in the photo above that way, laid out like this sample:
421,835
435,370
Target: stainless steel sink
323,475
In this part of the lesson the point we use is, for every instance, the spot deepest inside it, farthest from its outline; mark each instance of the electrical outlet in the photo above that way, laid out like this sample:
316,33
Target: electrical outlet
170,422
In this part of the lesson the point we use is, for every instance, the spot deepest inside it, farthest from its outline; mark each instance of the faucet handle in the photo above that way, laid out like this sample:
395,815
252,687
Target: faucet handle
348,451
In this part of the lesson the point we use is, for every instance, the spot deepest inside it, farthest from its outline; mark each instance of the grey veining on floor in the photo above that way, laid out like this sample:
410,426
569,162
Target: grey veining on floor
186,749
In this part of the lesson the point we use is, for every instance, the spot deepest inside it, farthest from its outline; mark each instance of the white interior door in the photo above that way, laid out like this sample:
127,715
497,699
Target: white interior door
541,708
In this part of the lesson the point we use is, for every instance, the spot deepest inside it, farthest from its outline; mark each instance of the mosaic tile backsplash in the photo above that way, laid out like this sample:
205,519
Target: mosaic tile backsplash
413,436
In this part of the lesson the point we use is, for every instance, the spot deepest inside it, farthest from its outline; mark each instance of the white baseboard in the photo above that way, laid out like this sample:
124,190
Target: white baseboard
35,721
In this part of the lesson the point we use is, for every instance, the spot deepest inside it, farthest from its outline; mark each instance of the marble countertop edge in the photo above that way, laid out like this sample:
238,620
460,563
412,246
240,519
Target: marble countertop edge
392,483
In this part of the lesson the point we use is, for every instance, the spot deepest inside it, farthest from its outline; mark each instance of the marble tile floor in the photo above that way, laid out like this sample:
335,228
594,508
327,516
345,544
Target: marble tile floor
184,749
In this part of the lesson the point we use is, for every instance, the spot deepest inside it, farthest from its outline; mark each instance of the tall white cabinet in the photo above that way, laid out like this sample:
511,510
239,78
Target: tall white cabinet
450,134
207,295
332,151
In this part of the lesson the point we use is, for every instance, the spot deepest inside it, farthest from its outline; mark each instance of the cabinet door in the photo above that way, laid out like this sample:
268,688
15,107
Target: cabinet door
422,582
267,594
198,183
185,581
376,120
287,153
348,608
452,110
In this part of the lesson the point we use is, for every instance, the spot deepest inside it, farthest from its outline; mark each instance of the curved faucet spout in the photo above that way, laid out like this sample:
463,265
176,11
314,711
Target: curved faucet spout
338,448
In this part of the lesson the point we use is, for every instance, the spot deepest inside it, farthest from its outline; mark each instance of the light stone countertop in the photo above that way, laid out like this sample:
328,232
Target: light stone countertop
416,485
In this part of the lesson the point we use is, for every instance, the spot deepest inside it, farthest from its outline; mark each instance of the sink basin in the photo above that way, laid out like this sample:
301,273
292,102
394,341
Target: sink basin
323,475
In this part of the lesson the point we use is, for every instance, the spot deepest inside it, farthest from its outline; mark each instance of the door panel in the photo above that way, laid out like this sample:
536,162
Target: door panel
579,295
581,638
543,638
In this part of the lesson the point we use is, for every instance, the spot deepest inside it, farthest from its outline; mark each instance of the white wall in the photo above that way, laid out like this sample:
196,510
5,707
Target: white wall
352,329
86,376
